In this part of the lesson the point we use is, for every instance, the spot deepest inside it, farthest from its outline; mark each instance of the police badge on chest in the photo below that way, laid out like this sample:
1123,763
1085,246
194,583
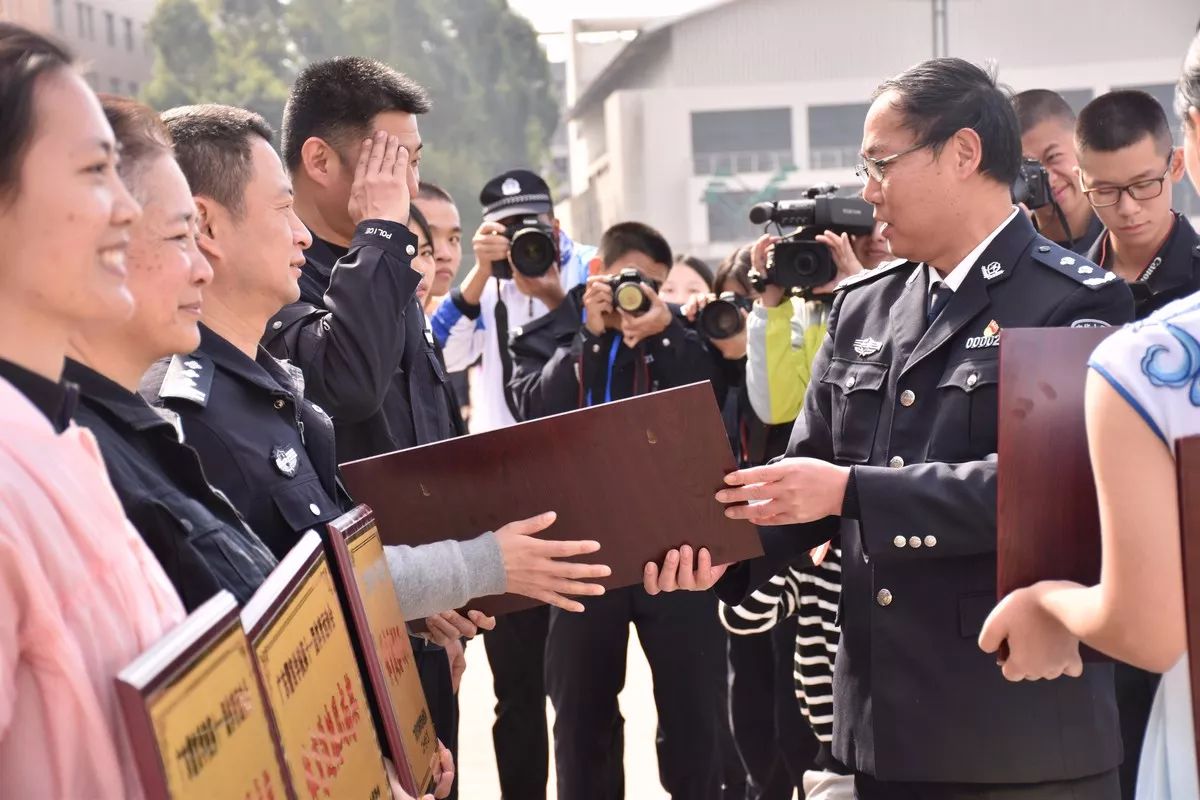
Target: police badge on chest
286,460
989,338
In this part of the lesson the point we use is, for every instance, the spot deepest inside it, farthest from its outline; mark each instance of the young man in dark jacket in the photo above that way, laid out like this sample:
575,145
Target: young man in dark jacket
602,343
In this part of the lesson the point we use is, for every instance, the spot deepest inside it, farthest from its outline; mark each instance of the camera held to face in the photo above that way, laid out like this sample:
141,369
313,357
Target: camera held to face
534,249
1032,186
629,291
800,262
722,318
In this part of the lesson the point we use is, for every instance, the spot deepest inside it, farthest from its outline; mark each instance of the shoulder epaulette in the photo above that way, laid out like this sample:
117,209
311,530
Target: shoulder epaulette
1071,264
866,276
188,378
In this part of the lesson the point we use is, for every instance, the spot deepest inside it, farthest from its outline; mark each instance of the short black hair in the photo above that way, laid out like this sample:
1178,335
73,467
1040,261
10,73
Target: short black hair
141,135
431,191
415,215
1187,91
736,267
633,237
213,146
25,57
1035,106
941,96
1119,119
336,100
699,266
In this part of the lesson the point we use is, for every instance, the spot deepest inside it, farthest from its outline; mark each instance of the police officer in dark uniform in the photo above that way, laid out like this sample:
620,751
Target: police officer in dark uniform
193,530
894,455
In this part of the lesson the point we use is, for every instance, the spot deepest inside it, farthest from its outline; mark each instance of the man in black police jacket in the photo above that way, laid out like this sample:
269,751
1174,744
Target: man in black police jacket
894,453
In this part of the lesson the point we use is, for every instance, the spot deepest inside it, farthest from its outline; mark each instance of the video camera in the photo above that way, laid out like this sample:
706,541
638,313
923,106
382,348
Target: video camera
1032,186
800,262
534,249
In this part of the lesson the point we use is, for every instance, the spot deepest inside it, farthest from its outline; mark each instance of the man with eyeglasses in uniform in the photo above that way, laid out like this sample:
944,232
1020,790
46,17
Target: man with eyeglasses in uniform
1127,168
894,457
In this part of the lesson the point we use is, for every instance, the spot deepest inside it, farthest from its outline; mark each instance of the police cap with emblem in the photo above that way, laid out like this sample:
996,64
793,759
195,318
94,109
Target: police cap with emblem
515,192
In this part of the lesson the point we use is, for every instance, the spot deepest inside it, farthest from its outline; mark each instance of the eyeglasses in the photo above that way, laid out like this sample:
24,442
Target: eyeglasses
872,168
1106,196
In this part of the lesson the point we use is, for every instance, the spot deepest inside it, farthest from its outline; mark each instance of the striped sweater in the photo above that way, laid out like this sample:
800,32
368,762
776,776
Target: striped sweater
812,594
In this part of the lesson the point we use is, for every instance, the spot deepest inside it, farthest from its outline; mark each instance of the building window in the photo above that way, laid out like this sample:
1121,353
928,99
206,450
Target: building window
60,23
1076,98
110,29
114,85
133,89
746,140
835,135
1184,199
729,211
129,34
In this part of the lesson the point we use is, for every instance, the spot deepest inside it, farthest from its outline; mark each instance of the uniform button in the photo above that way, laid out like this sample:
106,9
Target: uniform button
1044,248
899,541
896,462
279,403
850,382
914,541
595,348
884,598
973,379
666,342
930,541
315,509
276,325
412,251
318,409
907,398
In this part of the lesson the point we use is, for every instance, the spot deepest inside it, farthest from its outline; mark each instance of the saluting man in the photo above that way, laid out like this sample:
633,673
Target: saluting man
894,454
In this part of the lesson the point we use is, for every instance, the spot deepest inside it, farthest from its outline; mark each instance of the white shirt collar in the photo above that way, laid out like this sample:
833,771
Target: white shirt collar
959,274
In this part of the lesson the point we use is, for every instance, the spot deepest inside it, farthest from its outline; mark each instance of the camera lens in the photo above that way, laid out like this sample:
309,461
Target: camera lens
532,252
721,319
630,297
806,264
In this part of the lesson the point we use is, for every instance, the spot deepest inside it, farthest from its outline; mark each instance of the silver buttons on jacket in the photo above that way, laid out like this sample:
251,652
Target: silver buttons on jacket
908,397
973,379
412,251
279,403
315,509
850,382
884,598
914,542
895,462
900,541
930,541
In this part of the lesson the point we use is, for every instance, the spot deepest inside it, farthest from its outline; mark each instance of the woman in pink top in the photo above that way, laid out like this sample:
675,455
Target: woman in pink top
80,596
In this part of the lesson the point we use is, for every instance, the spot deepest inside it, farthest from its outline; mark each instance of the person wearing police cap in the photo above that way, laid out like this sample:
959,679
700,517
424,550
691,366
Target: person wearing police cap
894,456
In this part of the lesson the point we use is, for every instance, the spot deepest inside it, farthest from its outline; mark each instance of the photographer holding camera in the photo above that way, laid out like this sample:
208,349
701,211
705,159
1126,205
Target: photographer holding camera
1061,213
610,339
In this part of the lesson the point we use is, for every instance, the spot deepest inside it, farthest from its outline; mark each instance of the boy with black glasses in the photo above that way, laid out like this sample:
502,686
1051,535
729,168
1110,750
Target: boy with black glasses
1127,166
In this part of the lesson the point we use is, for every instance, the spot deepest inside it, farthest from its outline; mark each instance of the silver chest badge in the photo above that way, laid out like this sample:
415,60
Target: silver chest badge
286,460
867,346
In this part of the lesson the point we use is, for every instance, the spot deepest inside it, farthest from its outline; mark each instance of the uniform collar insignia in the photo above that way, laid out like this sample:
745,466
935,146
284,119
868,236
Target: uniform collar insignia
867,346
286,460
992,270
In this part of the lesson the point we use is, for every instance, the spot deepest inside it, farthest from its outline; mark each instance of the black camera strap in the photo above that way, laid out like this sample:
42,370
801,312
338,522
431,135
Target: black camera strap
506,366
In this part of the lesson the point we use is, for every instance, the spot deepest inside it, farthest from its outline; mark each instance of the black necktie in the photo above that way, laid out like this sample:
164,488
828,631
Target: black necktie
939,296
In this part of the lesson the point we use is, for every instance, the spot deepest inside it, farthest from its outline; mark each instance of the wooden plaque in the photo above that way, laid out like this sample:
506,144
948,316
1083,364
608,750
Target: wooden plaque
1187,465
637,475
1047,519
381,639
311,679
195,713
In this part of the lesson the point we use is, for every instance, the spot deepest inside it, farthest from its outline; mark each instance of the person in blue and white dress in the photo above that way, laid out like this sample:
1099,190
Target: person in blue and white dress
1143,394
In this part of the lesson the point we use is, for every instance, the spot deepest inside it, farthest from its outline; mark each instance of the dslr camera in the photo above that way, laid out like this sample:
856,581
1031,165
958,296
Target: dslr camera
800,262
722,318
629,291
533,250
1032,186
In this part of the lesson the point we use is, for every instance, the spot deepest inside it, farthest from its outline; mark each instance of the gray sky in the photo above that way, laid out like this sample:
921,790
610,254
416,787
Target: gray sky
552,15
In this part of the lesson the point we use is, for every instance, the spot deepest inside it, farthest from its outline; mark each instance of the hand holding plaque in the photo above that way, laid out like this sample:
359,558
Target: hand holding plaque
535,568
